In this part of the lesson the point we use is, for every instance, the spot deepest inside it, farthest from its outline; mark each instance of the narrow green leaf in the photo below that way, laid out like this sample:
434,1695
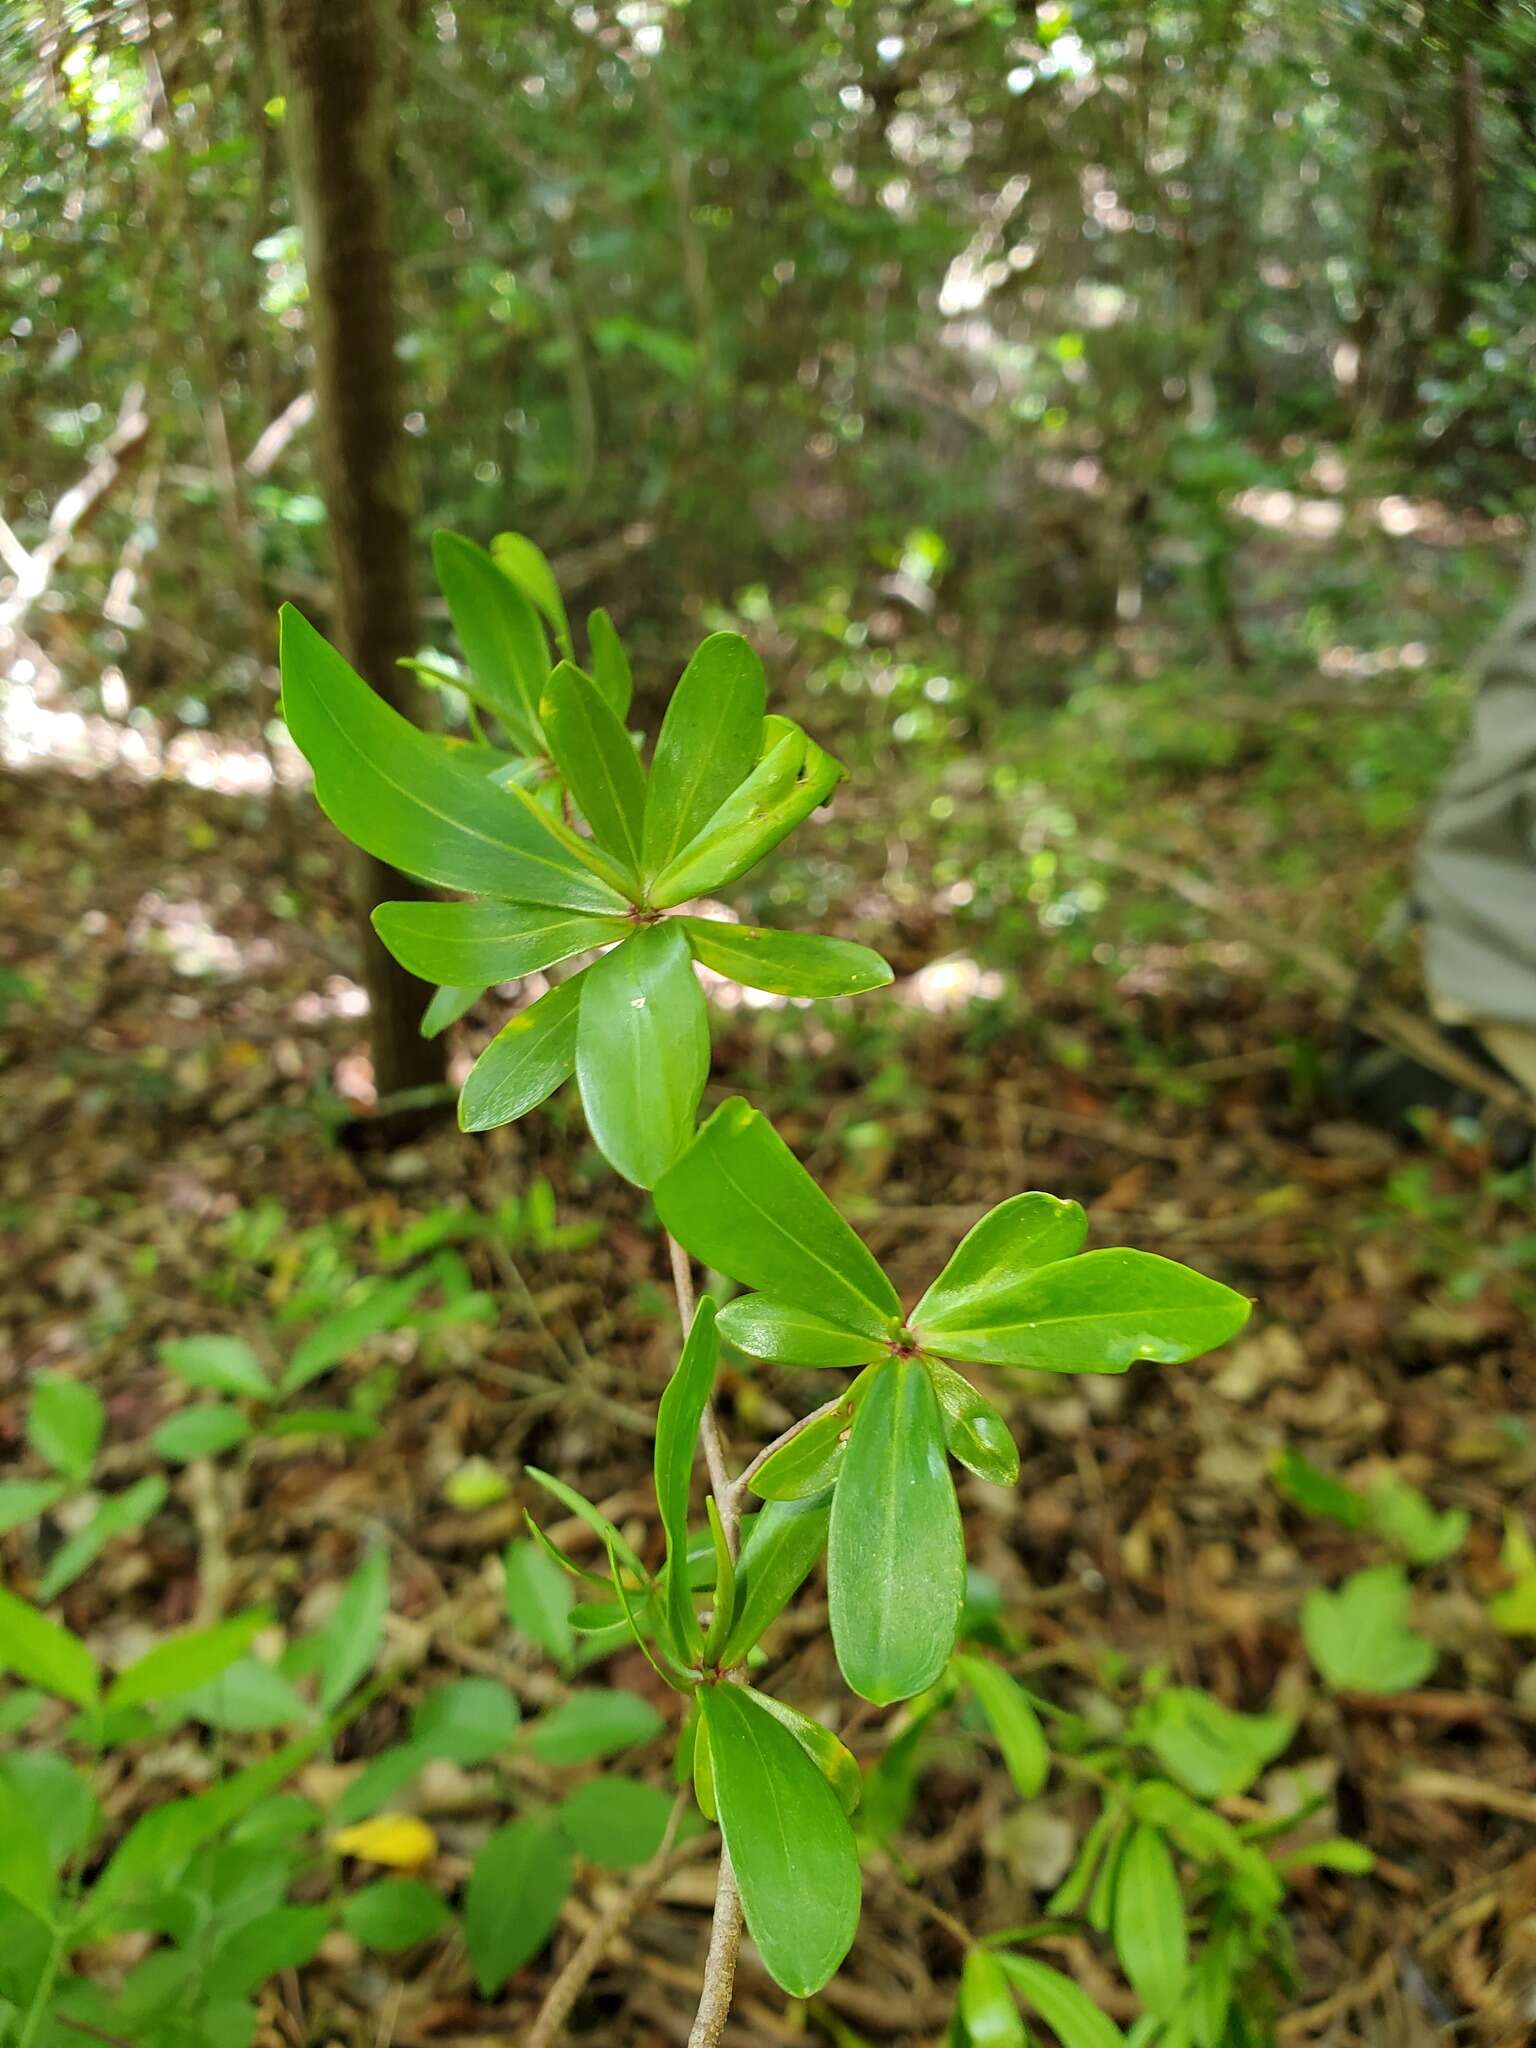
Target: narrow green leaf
987,2008
974,1432
780,1331
677,1431
785,787
836,1763
500,634
395,1913
65,1420
520,1881
40,1652
484,943
591,1725
610,664
616,1822
186,1660
741,1201
789,1842
1151,1934
723,1608
383,1305
23,1500
896,1561
1069,2013
447,1006
1012,1720
201,1432
27,1867
642,1052
1011,1240
525,1062
538,1599
116,1516
343,1651
598,760
594,1519
395,793
525,562
707,744
810,1462
1317,1492
785,963
1100,1312
1337,1853
222,1365
783,1546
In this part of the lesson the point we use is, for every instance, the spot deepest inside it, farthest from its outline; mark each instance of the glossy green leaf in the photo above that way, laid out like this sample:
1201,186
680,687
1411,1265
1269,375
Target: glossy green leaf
1150,1930
500,634
222,1365
395,793
974,1432
525,1062
65,1420
521,1879
1012,1720
610,664
117,1514
481,944
1359,1637
396,1913
593,1517
525,562
789,1335
677,1432
538,1598
1069,2013
785,787
616,1822
642,1052
836,1763
186,1660
468,1722
789,1842
201,1432
447,1006
1100,1312
593,1724
896,1559
810,1462
987,2007
785,963
1011,1240
598,760
23,1500
1212,1751
741,1201
40,1652
783,1546
707,745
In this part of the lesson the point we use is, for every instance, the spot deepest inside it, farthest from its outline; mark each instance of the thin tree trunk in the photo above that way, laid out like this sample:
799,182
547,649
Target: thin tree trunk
335,59
1461,255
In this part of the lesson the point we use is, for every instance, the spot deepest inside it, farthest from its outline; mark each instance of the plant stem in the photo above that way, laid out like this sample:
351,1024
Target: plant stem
725,1930
785,1437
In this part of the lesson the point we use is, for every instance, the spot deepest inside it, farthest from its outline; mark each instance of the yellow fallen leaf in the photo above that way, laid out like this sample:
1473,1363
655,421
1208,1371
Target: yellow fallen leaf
398,1839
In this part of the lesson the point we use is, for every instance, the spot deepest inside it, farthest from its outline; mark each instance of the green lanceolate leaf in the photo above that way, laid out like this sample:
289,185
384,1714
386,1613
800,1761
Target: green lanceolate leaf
116,1515
500,634
395,793
224,1365
677,1435
1012,1720
447,1006
810,1462
836,1763
39,1652
707,745
642,1052
785,787
23,1500
520,1881
525,1062
778,1330
595,1520
1212,1751
974,1432
202,1432
1011,1240
598,760
610,664
789,1842
987,2008
1151,1934
1069,2013
525,562
187,1660
896,1561
741,1201
724,1607
1100,1312
785,963
782,1548
479,944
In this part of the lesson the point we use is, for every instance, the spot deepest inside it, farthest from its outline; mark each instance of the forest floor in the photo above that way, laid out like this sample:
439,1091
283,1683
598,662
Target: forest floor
182,1036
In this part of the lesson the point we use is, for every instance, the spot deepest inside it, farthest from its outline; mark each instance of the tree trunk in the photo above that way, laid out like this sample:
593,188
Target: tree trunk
1461,256
335,57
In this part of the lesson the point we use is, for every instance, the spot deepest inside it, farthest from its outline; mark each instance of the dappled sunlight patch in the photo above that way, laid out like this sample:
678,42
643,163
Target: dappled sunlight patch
185,935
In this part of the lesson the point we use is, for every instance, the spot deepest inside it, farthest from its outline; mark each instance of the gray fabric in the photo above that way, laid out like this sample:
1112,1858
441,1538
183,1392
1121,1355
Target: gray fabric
1477,862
